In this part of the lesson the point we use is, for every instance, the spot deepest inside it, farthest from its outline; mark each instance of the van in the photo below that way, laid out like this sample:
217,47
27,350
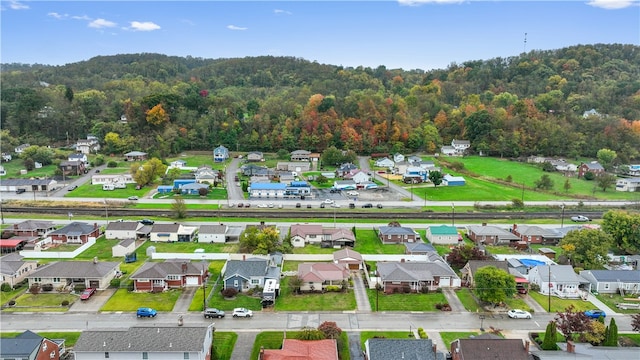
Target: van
20,191
108,187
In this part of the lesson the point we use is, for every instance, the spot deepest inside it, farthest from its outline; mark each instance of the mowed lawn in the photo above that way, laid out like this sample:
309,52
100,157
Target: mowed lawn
328,301
124,300
367,242
42,302
404,302
559,305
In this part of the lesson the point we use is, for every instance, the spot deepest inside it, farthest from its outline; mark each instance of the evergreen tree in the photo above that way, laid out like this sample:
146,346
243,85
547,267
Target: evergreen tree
612,334
550,336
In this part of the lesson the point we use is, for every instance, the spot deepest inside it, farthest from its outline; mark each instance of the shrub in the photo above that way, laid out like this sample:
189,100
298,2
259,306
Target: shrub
47,287
229,292
35,289
5,287
11,302
112,164
115,283
65,303
333,288
589,176
79,288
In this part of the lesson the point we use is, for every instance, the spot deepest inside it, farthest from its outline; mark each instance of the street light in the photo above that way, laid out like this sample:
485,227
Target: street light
482,317
562,221
204,286
453,215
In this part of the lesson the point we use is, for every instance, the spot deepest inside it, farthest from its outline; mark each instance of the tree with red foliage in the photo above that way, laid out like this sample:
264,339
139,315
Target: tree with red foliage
635,322
330,329
571,322
460,255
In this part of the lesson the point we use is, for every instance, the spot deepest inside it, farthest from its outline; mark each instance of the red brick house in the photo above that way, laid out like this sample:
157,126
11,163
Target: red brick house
30,345
593,167
75,233
171,274
32,228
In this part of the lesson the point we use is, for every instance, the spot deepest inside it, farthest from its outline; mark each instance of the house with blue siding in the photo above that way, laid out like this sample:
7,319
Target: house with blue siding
450,180
250,273
262,190
220,154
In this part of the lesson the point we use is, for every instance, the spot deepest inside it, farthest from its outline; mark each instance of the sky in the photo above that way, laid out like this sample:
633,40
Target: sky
407,34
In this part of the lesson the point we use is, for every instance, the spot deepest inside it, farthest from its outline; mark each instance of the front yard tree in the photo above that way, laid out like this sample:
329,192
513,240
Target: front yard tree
179,208
606,181
330,329
148,172
544,183
435,177
494,285
257,241
460,255
611,334
295,283
596,333
550,336
624,228
570,322
587,248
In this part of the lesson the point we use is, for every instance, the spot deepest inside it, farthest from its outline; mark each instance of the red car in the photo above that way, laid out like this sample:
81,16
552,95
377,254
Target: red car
87,293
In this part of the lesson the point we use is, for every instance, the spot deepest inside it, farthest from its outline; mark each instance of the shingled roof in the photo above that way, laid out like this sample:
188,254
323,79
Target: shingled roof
136,339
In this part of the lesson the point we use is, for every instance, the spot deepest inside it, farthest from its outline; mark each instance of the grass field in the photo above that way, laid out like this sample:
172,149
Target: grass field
559,305
43,302
329,301
124,300
404,302
448,336
611,300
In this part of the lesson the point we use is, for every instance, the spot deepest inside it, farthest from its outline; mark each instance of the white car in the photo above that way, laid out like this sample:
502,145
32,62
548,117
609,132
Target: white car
242,312
580,218
335,205
262,205
328,201
353,193
519,314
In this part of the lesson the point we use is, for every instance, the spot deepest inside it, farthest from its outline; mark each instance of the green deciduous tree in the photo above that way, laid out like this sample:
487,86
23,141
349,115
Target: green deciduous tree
435,177
494,285
587,248
544,183
148,172
257,241
606,158
624,227
179,208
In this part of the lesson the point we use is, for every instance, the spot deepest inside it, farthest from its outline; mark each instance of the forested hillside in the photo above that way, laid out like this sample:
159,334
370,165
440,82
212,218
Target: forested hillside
530,104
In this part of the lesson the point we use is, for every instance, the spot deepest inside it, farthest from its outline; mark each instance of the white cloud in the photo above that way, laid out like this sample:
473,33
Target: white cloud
233,27
612,4
101,23
83,17
285,12
420,2
56,15
16,5
144,26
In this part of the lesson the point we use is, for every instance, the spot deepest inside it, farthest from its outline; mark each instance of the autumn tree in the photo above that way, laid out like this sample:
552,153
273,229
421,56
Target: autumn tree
587,248
624,228
606,181
179,208
157,115
494,285
460,255
595,334
571,322
148,172
257,241
330,330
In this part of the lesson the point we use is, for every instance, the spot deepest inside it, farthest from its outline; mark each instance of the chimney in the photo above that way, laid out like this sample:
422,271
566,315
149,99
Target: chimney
402,260
435,348
95,225
244,257
184,267
515,226
571,348
526,346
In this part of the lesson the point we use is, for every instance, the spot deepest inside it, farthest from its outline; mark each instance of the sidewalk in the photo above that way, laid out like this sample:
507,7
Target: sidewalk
362,300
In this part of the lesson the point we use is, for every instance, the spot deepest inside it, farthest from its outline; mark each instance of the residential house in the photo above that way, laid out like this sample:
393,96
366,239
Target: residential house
101,179
585,351
592,167
490,235
418,248
319,275
385,162
178,164
414,160
30,185
170,274
346,169
592,112
325,349
450,180
400,167
212,233
6,157
632,170
154,342
397,157
194,188
349,257
135,156
471,267
90,274
34,228
172,233
405,349
484,347
460,146
397,234
29,345
123,248
359,177
628,184
267,190
302,234
344,185
252,170
443,234
90,145
20,148
414,276
75,167
14,269
533,234
560,280
246,274
300,155
220,154
296,166
206,175
255,156
79,157
566,168
123,230
613,281
75,233
448,150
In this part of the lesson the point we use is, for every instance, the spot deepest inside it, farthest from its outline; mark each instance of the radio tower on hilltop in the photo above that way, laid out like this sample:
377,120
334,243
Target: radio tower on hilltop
525,43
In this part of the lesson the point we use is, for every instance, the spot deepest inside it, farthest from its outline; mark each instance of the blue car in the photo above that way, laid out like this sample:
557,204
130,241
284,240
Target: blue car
595,314
146,312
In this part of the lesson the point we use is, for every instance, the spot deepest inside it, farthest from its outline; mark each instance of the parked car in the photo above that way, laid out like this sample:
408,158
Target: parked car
321,205
147,222
146,312
379,206
353,193
580,218
352,206
87,293
262,205
240,205
133,198
334,190
595,313
242,312
298,205
367,206
335,205
20,191
271,205
519,314
213,313
328,201
72,187
308,206
247,205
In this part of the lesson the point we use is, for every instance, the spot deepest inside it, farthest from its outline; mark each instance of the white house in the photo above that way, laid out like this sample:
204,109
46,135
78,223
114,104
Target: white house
212,233
172,233
123,248
359,177
460,146
559,280
178,164
397,157
443,234
613,281
385,163
20,148
628,184
79,157
122,230
101,179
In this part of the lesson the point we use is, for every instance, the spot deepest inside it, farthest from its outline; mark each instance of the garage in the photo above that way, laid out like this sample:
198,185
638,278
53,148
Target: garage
192,280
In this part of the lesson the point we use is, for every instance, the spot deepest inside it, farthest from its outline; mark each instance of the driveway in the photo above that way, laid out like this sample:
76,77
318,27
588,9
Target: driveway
95,303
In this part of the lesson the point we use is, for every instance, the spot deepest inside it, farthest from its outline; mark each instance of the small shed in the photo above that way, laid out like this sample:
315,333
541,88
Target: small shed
550,253
123,248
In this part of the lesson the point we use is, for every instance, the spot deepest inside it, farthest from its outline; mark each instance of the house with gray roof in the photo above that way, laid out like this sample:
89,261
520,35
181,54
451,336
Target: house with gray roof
592,167
123,248
30,345
472,266
490,235
397,234
443,234
75,233
170,274
560,281
485,348
35,228
613,281
300,155
123,230
155,342
414,276
29,185
220,154
250,273
585,351
418,248
92,274
135,156
406,349
212,233
14,269
533,234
